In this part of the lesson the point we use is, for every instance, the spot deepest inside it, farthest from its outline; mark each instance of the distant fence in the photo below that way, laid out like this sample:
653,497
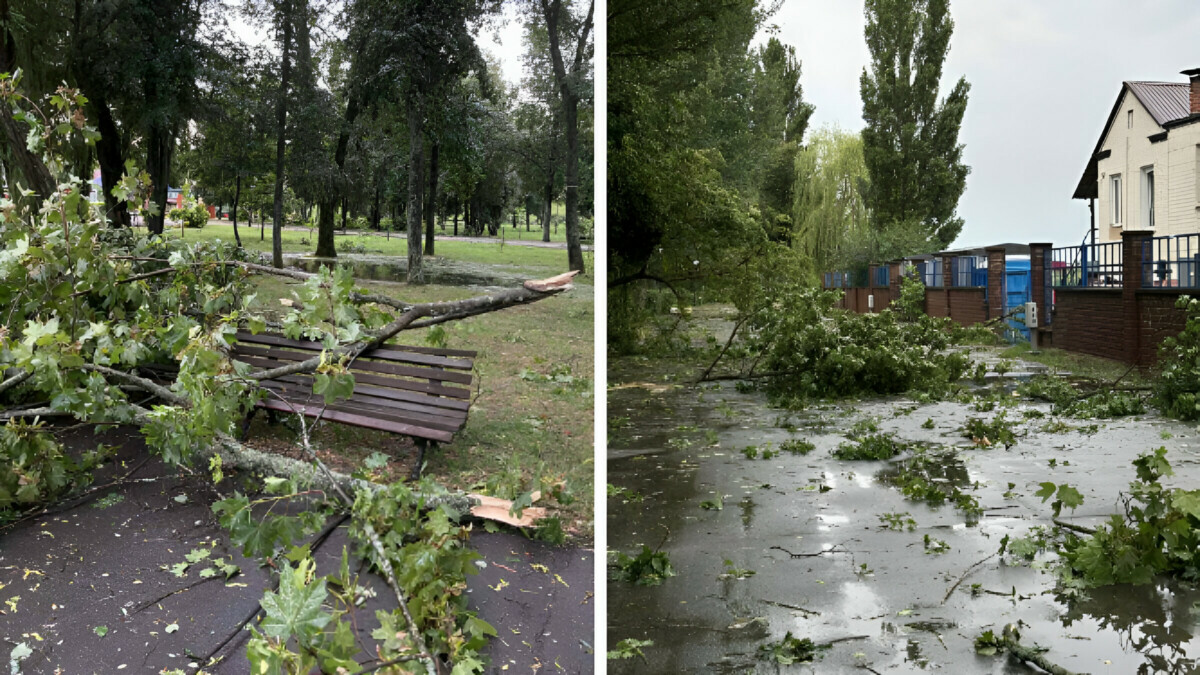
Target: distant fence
1112,299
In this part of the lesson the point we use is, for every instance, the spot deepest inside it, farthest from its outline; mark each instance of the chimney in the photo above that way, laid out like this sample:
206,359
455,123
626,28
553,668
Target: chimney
1194,76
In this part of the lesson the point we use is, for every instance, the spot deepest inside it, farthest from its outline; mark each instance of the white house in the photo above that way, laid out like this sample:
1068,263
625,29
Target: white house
1145,171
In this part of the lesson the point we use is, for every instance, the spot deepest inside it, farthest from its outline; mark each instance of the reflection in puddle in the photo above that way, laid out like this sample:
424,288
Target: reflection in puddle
1157,621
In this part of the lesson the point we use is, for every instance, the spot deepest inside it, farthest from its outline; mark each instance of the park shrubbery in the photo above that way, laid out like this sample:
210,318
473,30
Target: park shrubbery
192,217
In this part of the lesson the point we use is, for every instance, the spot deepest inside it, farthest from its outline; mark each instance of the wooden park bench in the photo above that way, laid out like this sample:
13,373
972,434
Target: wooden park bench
421,392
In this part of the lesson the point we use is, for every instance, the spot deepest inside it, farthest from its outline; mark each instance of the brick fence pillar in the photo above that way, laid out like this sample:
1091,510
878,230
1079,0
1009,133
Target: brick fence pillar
1132,248
996,278
1039,281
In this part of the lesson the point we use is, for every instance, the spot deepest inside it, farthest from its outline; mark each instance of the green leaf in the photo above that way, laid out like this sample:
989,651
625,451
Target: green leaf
1069,496
100,630
1187,501
1047,491
197,554
296,609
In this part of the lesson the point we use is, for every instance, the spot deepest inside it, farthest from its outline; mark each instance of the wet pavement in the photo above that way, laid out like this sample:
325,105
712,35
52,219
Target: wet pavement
824,565
96,587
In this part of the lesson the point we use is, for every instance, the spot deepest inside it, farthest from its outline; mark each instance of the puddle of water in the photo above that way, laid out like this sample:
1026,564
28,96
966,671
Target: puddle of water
899,615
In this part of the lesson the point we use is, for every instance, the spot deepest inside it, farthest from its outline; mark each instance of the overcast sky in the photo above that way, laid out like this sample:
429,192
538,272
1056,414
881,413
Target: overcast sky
1043,75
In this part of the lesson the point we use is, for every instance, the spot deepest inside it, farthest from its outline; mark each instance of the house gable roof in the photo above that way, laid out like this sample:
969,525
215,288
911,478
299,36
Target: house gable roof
1166,102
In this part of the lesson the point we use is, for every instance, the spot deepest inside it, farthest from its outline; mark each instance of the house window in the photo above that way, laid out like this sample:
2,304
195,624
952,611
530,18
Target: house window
1148,197
1129,120
1114,198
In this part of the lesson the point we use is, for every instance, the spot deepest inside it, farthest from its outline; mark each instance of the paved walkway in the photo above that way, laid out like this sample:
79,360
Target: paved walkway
90,588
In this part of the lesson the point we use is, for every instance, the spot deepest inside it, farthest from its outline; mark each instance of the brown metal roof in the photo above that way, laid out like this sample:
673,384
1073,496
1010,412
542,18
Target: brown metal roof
1165,101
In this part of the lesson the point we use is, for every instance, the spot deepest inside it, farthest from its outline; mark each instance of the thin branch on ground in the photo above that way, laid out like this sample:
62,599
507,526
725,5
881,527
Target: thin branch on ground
1073,527
966,574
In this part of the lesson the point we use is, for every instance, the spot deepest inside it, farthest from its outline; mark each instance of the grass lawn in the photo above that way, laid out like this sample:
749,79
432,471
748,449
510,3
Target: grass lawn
537,262
526,425
1082,365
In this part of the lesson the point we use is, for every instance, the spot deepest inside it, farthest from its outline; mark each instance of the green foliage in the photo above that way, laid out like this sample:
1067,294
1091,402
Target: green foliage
871,447
898,521
734,572
193,217
1159,533
821,352
1069,401
36,469
791,650
911,305
1177,388
1067,496
648,568
629,648
910,141
923,478
797,446
986,433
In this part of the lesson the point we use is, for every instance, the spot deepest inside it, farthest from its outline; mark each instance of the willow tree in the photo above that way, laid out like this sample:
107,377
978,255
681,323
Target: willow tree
829,209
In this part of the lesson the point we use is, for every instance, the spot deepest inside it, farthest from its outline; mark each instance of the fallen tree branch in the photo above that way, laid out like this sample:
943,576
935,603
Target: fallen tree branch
459,308
965,575
152,387
1076,528
1010,642
15,380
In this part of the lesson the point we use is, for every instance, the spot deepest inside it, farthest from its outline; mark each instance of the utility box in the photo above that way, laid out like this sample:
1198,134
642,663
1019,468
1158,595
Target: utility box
1031,316
871,302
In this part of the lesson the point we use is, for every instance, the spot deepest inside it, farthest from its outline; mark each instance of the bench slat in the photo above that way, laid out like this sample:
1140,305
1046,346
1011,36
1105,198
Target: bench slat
395,352
427,400
404,412
389,382
362,421
387,367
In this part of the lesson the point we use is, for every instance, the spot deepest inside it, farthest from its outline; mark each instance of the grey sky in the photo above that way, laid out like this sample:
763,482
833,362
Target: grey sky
1044,75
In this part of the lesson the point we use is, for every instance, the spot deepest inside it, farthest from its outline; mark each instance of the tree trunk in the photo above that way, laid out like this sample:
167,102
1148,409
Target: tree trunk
416,192
456,218
111,160
570,100
37,177
431,205
527,215
344,209
326,222
237,193
158,165
547,208
285,73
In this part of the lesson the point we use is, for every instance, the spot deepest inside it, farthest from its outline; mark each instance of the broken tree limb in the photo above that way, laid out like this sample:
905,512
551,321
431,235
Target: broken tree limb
152,387
15,380
1073,527
459,308
1011,643
966,574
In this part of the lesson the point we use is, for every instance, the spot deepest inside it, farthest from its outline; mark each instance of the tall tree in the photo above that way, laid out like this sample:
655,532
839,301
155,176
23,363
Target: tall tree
285,19
571,74
910,142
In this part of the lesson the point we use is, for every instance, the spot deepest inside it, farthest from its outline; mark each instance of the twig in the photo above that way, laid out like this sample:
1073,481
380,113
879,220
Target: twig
785,605
1071,526
1010,642
965,575
728,343
832,549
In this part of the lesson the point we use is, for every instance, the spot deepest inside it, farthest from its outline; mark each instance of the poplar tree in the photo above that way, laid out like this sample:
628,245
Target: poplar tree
910,142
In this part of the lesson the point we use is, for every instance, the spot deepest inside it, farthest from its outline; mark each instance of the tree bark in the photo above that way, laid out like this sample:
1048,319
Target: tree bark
416,192
326,222
285,73
237,193
111,160
548,208
570,100
158,165
431,205
30,166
